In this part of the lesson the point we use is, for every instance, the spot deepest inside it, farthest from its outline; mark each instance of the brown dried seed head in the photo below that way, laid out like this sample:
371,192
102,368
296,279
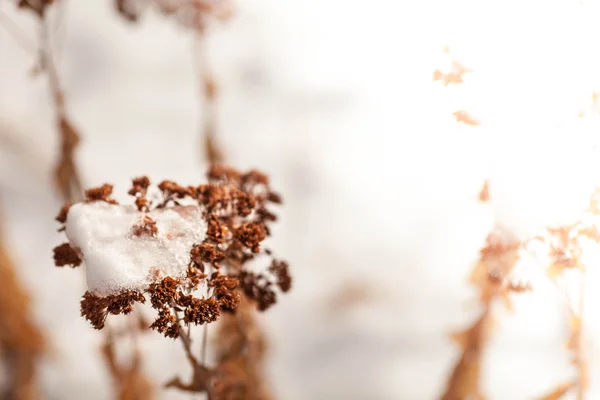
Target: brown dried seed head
281,271
243,203
66,255
216,230
139,185
274,198
194,276
225,291
164,292
101,193
93,308
257,288
166,323
251,234
202,311
172,189
206,252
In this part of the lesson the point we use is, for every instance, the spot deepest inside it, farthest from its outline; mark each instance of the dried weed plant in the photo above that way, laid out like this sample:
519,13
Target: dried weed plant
66,174
130,381
491,276
567,249
564,249
22,343
236,210
194,15
240,344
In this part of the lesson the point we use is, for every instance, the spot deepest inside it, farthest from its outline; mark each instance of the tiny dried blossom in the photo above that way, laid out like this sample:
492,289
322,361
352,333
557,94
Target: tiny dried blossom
216,231
147,227
224,291
274,198
258,288
66,255
206,252
172,192
139,190
194,277
96,308
166,323
281,270
164,292
201,311
101,193
235,209
251,234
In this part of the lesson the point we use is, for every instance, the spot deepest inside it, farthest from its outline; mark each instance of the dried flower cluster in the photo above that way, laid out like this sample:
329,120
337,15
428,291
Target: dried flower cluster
235,209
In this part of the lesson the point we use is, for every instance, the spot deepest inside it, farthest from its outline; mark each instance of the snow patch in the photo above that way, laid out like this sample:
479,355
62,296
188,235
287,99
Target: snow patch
117,260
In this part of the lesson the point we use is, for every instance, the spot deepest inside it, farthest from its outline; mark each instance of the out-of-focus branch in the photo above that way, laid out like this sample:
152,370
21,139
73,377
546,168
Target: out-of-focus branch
21,341
66,174
490,274
208,102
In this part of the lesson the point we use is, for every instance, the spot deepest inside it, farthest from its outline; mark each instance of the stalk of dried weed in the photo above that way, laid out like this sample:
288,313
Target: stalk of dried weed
130,382
22,343
240,344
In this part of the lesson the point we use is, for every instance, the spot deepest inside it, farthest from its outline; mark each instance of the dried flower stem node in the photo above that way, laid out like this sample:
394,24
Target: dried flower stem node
168,249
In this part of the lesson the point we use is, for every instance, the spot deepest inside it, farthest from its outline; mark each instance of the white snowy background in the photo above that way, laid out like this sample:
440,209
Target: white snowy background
335,100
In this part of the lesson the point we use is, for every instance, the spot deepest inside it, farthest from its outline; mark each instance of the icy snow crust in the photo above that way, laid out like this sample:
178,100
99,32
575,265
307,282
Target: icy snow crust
115,259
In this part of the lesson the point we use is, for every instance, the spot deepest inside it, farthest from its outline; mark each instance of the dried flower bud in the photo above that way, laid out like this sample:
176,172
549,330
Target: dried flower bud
101,193
66,255
251,234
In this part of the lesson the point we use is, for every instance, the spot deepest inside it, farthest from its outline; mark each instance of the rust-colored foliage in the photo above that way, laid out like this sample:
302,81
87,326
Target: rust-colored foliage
21,341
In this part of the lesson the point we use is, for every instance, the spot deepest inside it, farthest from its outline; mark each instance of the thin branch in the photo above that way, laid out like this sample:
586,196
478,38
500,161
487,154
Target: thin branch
66,172
204,344
208,96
